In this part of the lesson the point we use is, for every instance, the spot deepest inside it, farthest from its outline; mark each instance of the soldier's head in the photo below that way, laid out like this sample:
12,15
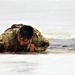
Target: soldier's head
25,34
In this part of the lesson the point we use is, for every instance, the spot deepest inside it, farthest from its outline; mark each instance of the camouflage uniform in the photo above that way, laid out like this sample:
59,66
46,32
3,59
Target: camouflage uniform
10,36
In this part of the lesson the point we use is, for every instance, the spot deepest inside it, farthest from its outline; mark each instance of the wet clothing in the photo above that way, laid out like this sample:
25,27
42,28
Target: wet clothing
9,38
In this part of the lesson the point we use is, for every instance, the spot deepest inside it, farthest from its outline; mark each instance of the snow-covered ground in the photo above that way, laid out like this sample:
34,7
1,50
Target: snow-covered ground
37,64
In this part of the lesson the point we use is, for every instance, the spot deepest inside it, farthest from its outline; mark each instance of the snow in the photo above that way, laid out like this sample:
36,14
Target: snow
59,35
37,64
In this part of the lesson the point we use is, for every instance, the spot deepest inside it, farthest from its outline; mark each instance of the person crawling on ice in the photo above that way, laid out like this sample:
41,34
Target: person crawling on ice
22,38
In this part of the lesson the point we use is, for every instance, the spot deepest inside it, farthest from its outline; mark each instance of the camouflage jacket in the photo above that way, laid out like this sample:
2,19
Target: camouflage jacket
10,35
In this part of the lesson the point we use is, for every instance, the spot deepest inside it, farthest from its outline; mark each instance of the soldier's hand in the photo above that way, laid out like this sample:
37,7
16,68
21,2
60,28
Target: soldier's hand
32,48
6,45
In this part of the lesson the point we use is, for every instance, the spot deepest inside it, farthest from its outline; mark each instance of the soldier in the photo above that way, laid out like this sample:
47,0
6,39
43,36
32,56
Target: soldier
22,38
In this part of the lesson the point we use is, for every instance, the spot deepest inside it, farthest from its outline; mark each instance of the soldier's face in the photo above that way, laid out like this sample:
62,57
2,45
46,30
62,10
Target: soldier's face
23,42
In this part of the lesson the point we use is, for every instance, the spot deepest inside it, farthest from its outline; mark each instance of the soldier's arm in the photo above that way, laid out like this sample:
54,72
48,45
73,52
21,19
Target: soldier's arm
41,43
5,41
2,48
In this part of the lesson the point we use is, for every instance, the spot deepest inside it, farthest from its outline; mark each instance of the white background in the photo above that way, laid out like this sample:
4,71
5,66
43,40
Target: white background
47,15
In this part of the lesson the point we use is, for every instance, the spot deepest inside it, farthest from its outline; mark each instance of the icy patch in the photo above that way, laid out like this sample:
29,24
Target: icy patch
40,64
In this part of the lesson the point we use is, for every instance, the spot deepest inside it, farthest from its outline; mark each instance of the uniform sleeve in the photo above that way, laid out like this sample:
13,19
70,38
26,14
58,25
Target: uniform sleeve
1,44
5,38
41,43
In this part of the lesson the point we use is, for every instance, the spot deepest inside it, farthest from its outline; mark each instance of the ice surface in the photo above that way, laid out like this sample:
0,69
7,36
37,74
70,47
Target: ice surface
37,64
